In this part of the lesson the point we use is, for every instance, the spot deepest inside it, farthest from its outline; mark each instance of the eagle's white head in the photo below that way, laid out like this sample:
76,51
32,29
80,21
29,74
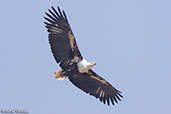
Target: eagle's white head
85,66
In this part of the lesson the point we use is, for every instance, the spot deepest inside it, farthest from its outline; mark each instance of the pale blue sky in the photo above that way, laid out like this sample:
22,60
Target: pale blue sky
130,40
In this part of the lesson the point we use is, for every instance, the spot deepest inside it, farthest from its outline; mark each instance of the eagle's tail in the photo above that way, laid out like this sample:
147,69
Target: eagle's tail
59,75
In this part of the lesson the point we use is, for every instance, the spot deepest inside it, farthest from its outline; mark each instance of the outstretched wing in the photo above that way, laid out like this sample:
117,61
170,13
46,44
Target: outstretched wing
97,86
61,38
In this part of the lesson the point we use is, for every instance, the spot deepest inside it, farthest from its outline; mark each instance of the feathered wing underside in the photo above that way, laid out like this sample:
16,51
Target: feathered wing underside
96,86
61,38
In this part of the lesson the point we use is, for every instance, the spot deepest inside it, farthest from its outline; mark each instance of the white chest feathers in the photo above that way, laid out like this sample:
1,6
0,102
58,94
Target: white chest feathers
84,66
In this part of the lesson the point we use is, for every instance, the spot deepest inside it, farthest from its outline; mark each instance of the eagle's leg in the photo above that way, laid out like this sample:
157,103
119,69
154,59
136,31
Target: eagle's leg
59,75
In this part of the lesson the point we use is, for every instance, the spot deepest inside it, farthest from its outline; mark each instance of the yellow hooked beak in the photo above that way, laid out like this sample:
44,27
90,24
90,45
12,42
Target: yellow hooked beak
93,63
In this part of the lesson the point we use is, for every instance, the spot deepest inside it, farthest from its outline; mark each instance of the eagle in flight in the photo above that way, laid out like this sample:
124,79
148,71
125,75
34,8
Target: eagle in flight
74,66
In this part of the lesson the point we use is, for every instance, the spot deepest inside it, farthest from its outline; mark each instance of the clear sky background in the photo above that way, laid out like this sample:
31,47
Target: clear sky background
130,40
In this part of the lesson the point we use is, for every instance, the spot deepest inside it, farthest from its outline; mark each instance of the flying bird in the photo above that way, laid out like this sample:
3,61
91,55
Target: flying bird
73,65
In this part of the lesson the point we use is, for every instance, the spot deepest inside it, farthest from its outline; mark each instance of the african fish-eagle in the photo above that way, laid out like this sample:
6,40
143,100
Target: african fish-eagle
74,66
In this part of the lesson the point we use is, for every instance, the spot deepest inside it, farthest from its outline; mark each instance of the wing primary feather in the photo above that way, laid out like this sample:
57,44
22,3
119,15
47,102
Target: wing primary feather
65,16
47,24
60,12
108,103
115,99
120,94
56,12
53,14
50,17
104,101
118,97
49,20
112,100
